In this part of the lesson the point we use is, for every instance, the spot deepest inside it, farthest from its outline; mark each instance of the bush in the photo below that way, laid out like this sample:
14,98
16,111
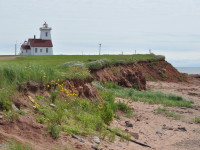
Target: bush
54,95
72,64
197,119
98,64
107,114
84,104
54,129
123,107
110,99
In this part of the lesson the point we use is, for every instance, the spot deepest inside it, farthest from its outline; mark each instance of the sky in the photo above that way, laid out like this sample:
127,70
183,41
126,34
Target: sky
167,27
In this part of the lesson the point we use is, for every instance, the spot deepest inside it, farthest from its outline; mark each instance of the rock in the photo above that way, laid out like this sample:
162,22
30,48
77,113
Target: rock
96,139
159,132
94,147
82,140
1,117
74,136
183,129
52,105
138,119
167,128
128,124
14,107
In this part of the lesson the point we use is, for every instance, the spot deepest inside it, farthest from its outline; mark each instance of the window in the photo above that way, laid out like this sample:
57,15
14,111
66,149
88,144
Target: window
46,34
26,51
47,50
40,50
35,50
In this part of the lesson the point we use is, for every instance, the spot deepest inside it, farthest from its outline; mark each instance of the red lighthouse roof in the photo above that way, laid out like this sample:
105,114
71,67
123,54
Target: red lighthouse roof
40,43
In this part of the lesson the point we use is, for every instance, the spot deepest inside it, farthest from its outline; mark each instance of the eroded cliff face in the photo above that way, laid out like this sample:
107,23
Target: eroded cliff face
136,75
130,76
127,76
161,70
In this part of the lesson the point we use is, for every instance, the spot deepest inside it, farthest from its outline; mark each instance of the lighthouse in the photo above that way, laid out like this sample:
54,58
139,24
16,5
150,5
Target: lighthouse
41,46
45,32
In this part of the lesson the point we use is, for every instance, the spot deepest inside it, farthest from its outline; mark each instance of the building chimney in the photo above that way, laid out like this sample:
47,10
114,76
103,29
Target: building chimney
34,36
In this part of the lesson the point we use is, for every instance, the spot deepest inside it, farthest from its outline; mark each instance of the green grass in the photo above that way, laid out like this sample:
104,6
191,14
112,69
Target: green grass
197,119
145,96
14,145
153,97
60,59
167,113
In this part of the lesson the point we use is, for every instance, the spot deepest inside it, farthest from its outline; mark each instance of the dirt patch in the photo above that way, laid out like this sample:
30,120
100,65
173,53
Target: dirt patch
9,57
82,87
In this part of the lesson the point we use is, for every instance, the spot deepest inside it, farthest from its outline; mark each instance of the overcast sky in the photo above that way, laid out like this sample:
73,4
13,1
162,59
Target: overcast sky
167,27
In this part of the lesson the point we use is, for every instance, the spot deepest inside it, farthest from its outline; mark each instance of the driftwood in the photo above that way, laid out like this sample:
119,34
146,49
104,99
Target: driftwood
136,142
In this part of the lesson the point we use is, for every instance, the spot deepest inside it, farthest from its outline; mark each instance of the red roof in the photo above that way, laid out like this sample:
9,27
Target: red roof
25,47
40,43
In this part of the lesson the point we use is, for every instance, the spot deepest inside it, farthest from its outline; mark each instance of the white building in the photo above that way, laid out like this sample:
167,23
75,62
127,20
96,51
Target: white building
42,46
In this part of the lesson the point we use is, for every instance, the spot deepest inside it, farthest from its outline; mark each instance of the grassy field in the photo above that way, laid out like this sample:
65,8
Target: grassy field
60,59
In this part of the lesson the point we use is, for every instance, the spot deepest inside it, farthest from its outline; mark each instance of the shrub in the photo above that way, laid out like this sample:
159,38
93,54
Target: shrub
84,104
54,129
123,107
72,64
54,95
110,99
98,64
197,119
107,114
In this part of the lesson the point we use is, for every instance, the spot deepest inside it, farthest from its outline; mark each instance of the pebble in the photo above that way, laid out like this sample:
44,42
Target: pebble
159,132
82,140
94,147
128,124
96,139
182,129
74,136
14,107
167,128
52,105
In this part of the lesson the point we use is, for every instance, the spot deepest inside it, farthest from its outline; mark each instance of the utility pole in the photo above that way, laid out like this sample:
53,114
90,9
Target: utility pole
16,48
99,49
149,51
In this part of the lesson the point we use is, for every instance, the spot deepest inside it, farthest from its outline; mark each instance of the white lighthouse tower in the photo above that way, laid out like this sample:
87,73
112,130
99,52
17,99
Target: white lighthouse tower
45,32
